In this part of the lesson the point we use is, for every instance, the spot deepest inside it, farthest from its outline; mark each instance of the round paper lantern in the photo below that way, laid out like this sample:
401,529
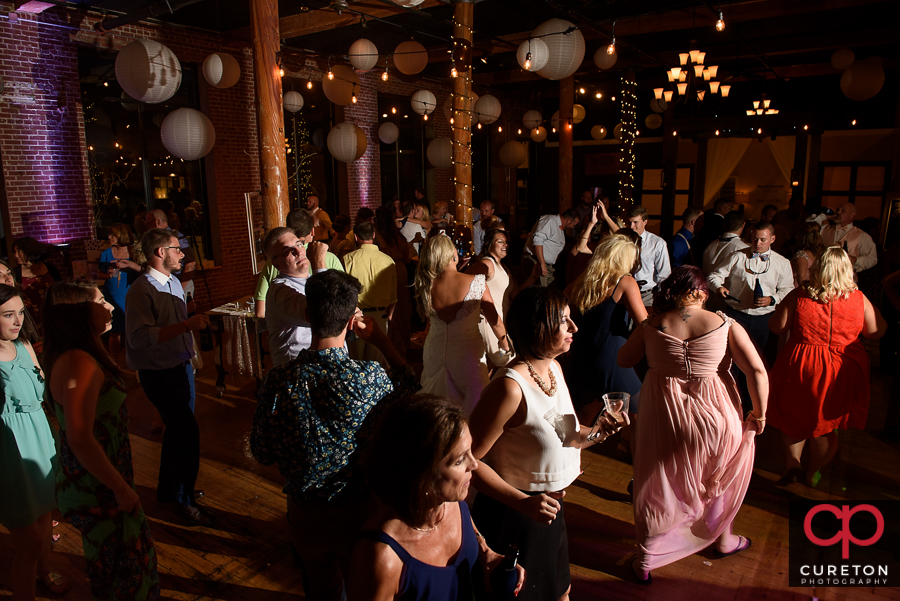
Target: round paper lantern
340,89
148,71
617,132
578,113
862,79
598,132
842,58
540,54
363,54
188,134
566,51
221,70
532,119
512,154
658,106
488,109
653,121
388,133
410,57
423,102
554,120
293,101
347,142
448,107
439,152
603,59
539,134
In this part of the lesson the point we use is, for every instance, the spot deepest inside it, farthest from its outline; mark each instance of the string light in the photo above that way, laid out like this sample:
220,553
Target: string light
611,49
499,129
581,90
424,117
330,73
353,98
720,24
520,131
393,110
384,76
528,58
599,95
309,84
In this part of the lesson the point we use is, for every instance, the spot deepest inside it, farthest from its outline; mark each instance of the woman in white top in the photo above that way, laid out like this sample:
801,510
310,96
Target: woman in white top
525,432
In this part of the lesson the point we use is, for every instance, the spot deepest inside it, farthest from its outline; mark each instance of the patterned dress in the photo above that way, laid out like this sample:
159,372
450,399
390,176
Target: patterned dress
117,546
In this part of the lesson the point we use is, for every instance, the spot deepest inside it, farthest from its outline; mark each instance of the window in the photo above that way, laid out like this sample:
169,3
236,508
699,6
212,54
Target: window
652,193
863,184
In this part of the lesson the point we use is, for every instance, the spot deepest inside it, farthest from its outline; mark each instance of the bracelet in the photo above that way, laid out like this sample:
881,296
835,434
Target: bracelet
479,535
750,414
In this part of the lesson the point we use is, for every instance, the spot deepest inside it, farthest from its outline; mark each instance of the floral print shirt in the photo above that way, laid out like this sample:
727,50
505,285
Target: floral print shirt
316,413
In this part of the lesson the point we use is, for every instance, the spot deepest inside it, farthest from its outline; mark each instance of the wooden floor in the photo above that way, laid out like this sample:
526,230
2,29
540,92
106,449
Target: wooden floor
246,555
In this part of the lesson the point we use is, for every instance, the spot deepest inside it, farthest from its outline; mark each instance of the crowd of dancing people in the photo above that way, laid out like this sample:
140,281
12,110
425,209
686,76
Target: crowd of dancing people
447,481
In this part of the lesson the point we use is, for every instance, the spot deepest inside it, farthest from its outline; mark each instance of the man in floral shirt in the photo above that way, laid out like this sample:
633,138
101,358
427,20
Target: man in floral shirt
315,414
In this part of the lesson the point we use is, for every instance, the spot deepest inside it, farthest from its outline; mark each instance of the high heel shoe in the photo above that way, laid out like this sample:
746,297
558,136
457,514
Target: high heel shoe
56,583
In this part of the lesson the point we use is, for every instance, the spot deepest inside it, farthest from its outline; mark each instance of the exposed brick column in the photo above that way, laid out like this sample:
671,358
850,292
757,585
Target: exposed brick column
364,174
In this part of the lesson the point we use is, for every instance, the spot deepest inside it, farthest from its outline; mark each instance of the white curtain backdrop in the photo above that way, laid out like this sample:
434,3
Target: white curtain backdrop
722,157
783,150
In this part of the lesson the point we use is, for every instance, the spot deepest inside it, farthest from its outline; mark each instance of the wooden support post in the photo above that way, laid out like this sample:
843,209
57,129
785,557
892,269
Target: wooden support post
269,112
566,137
463,15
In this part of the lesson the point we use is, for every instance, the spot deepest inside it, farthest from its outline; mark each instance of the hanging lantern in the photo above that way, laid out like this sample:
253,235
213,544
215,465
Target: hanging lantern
148,71
539,134
532,119
539,52
423,102
410,57
341,89
605,60
388,133
658,105
448,107
293,101
408,3
221,70
488,109
862,79
512,154
347,142
842,58
578,114
566,50
440,152
617,132
598,132
363,54
188,134
653,121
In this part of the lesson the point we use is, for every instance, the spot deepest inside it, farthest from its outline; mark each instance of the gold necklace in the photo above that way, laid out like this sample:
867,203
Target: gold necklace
436,524
548,390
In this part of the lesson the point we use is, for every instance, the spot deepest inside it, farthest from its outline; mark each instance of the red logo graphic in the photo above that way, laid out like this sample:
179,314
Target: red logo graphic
844,535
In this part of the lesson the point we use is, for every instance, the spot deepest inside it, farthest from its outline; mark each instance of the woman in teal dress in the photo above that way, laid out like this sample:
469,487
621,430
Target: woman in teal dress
27,452
95,482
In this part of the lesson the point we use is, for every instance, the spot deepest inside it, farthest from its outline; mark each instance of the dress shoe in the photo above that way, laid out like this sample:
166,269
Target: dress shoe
193,515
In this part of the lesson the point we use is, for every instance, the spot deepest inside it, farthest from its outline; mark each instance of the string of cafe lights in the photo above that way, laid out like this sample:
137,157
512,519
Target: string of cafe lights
628,133
454,112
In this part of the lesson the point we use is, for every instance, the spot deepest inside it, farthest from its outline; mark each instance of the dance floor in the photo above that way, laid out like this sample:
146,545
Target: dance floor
246,554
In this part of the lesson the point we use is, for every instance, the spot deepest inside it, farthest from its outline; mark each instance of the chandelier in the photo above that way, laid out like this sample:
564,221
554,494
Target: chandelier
762,107
693,81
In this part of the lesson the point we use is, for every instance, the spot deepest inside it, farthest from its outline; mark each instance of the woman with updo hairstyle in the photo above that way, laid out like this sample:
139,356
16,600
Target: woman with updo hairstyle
454,364
823,370
695,455
422,543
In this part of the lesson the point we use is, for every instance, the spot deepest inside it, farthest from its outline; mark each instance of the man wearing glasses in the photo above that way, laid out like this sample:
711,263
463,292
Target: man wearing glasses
159,346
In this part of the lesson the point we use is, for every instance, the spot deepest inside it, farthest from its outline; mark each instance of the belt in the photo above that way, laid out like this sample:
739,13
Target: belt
373,309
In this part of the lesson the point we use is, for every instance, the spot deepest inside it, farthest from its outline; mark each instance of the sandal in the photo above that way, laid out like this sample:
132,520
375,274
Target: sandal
740,547
56,583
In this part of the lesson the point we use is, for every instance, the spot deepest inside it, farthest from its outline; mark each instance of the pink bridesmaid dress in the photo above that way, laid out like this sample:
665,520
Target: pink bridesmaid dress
694,457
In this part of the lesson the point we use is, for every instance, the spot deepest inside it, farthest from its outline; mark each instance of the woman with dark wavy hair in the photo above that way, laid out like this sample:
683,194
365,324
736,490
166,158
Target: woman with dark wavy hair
695,453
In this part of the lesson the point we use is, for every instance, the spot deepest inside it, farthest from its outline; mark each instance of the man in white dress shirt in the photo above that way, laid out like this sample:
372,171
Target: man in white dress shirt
655,265
857,243
487,210
720,249
546,241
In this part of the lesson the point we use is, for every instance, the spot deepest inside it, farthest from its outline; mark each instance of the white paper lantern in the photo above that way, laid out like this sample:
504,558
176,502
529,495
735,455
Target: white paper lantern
532,119
410,57
617,132
293,101
221,70
448,107
488,109
440,152
842,58
347,142
653,121
598,132
148,71
341,89
603,59
539,134
423,102
363,54
566,50
512,154
554,120
540,54
658,105
388,133
408,3
188,134
578,113
862,79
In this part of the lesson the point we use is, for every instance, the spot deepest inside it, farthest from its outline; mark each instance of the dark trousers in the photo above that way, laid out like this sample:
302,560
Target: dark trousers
757,326
172,393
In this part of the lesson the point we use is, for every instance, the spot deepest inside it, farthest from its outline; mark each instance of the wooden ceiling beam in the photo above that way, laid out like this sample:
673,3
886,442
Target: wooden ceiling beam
321,20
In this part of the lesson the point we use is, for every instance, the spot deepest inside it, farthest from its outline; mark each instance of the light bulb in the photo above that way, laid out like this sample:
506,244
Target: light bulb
804,127
384,76
281,72
599,95
499,129
724,90
853,122
453,72
682,89
713,70
394,110
720,24
658,92
717,132
756,104
309,84
683,58
759,130
528,62
611,49
675,71
330,74
554,130
520,131
698,70
766,103
424,117
479,126
581,90
451,120
668,94
714,87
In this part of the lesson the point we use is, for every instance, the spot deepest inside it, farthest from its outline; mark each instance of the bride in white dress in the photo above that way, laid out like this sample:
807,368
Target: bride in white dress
453,302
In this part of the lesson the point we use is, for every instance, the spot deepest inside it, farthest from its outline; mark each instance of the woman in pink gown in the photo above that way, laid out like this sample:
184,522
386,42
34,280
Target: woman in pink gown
694,452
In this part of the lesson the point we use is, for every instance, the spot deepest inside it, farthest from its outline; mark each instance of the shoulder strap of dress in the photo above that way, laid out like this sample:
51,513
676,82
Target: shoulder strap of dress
476,288
381,537
725,318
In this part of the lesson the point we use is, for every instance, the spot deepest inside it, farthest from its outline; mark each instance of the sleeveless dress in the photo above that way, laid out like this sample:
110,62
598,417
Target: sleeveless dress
823,371
453,358
499,287
695,455
118,546
422,581
593,369
27,446
115,290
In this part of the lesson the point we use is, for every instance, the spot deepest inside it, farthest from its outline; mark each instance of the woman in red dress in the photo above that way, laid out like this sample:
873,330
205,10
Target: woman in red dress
822,375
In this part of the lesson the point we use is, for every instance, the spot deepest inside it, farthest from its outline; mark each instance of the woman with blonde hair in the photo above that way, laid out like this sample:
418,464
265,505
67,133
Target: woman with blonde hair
809,246
603,297
452,303
823,371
